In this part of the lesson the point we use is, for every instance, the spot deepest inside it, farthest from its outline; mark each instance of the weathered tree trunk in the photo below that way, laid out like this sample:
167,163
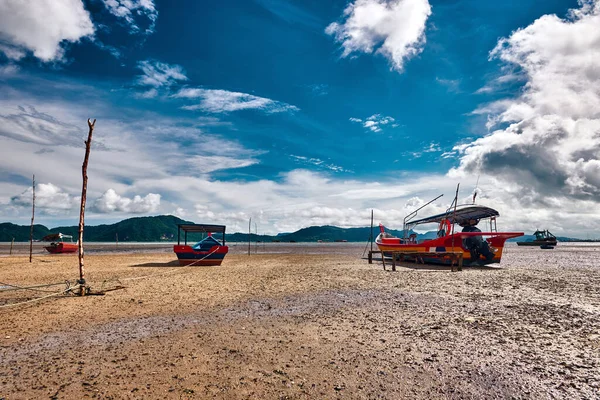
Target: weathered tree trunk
32,217
88,144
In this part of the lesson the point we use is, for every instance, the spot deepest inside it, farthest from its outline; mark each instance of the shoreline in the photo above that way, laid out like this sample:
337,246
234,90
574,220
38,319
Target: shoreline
304,324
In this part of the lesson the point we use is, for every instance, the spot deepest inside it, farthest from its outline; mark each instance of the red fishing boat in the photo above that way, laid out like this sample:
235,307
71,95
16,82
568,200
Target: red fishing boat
208,251
59,245
476,247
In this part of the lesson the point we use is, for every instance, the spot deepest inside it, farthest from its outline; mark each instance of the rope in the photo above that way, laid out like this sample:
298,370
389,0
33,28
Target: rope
169,271
67,290
34,288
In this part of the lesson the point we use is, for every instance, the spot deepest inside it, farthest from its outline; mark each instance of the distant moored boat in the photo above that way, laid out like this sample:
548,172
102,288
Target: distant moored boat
542,238
58,244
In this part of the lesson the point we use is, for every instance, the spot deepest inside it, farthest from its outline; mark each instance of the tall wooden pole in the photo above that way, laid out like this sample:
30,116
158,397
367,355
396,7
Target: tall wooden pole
371,238
32,217
88,144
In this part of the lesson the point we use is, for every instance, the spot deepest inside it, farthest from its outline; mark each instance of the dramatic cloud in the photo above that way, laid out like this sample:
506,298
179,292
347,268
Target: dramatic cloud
395,29
218,101
375,122
42,27
158,74
547,141
132,11
110,202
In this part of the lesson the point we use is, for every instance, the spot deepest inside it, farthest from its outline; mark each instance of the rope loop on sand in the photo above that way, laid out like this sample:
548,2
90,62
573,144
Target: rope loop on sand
10,287
69,289
81,282
169,271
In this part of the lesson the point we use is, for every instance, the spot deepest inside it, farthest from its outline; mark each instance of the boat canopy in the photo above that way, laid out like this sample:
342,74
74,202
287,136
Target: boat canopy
462,214
202,228
199,228
542,235
56,236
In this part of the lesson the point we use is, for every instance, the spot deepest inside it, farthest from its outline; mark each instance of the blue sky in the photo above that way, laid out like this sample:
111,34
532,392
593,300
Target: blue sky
300,113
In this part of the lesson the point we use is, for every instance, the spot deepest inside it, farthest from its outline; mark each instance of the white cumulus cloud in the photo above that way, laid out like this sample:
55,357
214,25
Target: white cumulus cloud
110,202
375,122
42,27
49,199
395,29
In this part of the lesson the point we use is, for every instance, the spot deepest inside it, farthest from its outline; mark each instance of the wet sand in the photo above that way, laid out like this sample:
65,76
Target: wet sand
302,321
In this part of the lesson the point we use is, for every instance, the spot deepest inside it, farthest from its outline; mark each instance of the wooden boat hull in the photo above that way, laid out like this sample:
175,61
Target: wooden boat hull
538,243
444,246
62,247
188,256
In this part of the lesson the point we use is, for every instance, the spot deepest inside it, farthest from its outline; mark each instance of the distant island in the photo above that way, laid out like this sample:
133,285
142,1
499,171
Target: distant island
164,228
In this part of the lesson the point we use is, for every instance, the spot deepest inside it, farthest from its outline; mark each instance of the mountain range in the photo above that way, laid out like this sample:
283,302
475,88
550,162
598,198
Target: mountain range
164,228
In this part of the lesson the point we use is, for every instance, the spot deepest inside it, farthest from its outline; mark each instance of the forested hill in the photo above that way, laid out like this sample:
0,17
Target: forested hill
164,228
140,229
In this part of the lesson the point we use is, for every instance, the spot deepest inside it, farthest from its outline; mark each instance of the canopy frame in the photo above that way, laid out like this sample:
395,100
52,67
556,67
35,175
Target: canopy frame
462,214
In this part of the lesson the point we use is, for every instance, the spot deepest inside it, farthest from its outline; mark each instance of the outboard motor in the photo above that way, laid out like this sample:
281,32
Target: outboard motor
476,245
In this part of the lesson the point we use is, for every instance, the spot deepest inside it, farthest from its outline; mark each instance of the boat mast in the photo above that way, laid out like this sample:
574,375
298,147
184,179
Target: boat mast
455,201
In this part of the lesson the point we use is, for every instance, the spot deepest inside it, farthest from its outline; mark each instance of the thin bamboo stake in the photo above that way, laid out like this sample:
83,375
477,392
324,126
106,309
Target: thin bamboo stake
11,245
88,144
32,217
249,233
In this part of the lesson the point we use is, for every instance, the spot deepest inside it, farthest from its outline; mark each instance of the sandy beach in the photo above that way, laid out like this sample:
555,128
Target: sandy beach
295,321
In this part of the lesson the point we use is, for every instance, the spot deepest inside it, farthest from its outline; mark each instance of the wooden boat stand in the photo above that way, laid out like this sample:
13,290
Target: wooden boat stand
455,256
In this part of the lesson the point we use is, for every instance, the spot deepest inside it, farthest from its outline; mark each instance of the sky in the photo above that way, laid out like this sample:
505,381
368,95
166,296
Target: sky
301,113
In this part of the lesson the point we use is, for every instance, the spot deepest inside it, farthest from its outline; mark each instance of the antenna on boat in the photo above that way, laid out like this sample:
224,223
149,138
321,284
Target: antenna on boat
476,189
414,214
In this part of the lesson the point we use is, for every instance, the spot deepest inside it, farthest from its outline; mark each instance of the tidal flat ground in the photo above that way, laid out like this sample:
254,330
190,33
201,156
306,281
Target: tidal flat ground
300,321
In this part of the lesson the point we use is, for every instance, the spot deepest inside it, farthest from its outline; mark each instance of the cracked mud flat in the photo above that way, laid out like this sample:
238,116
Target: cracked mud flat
291,323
